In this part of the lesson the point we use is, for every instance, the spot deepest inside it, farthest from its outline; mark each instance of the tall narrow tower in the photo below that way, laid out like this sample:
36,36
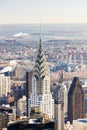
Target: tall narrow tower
75,101
41,72
41,95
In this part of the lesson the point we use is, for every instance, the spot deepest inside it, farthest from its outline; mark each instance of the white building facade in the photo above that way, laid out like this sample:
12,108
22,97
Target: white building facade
4,85
21,104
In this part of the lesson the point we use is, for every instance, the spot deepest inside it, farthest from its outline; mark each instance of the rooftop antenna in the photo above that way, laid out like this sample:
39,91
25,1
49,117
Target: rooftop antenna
40,43
40,31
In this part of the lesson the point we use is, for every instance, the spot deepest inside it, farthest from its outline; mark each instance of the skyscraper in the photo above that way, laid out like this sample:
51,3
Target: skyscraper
41,95
4,85
63,93
59,115
75,101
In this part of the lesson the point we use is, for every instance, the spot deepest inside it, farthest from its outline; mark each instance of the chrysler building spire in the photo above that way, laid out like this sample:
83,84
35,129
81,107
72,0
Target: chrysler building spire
41,95
40,68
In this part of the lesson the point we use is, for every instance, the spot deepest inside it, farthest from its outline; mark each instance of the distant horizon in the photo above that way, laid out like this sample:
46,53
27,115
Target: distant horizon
40,23
45,11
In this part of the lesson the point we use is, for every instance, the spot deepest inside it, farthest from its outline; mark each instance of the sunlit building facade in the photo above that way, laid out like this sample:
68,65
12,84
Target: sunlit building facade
21,104
4,85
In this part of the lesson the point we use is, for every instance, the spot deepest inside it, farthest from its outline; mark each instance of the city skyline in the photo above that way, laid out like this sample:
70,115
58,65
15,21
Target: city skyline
45,11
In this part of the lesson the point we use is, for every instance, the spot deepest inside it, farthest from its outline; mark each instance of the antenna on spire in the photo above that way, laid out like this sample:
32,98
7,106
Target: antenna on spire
40,33
40,30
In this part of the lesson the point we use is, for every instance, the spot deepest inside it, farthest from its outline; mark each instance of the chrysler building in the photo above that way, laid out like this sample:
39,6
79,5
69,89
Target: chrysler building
41,95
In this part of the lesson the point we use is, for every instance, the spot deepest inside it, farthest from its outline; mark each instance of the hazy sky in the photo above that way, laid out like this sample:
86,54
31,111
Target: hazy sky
46,11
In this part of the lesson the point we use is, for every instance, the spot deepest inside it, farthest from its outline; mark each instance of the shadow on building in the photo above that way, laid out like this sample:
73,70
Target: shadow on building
75,101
